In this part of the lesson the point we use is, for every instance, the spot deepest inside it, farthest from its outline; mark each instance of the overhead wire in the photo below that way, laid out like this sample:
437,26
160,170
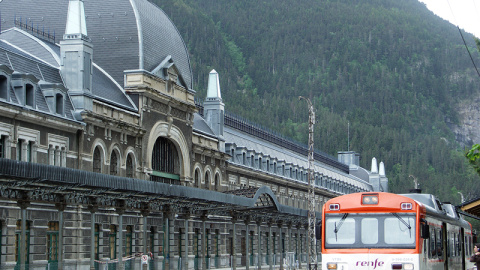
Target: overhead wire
464,42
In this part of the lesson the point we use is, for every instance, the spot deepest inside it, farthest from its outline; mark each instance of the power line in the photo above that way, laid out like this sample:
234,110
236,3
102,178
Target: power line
468,50
464,42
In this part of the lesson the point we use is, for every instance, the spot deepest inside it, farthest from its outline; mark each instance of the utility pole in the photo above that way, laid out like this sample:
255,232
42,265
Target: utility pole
312,251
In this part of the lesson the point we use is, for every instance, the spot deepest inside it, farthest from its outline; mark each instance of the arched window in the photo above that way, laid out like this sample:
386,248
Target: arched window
114,163
252,159
197,178
97,160
165,162
244,159
217,182
129,171
3,87
260,165
207,180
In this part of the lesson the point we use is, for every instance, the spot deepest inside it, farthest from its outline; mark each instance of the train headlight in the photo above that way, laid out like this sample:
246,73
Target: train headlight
406,206
370,199
331,266
334,207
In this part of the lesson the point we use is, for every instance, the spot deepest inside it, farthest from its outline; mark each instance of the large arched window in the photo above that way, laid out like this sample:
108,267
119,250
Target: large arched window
97,160
114,163
129,172
165,162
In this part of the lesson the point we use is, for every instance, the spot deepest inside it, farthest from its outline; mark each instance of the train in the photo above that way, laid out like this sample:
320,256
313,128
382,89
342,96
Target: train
380,230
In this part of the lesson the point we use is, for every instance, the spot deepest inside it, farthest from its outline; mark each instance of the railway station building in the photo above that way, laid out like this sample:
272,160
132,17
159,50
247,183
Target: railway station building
105,154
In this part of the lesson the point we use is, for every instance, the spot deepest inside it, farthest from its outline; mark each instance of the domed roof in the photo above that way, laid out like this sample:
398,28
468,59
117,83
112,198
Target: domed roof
126,34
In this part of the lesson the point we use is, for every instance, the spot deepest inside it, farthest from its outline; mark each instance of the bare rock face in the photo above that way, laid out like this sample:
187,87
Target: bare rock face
467,132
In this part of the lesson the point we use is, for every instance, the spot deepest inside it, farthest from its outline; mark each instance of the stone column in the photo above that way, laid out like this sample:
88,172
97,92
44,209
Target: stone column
23,204
120,211
204,241
270,243
92,208
247,243
259,246
185,259
280,242
299,243
234,244
169,219
145,212
61,208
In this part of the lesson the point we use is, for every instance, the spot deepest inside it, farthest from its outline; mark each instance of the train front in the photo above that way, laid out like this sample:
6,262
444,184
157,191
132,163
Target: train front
371,231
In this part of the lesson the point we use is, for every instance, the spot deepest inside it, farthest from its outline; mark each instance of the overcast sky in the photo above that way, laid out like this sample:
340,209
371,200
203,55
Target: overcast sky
464,13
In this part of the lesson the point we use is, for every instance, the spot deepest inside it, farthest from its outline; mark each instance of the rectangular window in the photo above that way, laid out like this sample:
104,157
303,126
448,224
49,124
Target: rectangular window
19,150
389,230
26,253
2,146
52,242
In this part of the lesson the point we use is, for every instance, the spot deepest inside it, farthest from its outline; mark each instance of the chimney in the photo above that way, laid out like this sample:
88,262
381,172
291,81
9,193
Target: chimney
76,53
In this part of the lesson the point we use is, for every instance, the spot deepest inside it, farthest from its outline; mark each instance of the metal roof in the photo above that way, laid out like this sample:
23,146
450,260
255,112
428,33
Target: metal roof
45,183
126,34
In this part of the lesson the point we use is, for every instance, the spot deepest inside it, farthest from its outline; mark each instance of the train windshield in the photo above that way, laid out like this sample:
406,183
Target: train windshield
386,230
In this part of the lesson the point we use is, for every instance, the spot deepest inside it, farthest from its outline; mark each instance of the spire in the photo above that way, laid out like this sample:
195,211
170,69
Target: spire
76,24
374,166
382,169
213,90
76,54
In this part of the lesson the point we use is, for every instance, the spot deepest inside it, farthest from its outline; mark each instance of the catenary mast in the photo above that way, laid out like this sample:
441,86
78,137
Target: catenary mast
311,191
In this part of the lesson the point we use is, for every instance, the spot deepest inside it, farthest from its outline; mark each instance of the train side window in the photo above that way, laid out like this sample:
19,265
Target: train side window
459,244
439,243
432,253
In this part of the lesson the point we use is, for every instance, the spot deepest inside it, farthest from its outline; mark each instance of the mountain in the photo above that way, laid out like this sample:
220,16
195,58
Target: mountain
399,76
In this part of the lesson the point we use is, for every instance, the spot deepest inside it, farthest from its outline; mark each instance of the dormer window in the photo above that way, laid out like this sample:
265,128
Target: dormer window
24,86
59,104
29,95
3,87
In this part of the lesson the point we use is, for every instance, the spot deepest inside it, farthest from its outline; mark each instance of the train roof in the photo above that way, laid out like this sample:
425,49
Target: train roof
442,211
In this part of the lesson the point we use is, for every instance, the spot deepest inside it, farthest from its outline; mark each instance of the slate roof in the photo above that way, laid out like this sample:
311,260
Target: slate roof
200,126
24,53
124,33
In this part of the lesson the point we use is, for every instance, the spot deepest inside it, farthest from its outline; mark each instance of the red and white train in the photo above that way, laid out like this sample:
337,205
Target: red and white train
377,231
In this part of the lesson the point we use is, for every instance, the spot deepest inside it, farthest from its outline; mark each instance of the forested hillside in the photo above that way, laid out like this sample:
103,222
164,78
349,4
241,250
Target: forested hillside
392,69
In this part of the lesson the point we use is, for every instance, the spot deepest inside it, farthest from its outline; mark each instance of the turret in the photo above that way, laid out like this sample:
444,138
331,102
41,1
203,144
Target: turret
214,109
76,52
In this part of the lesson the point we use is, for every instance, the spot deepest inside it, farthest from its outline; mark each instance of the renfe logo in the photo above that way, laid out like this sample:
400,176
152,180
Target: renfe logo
370,263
